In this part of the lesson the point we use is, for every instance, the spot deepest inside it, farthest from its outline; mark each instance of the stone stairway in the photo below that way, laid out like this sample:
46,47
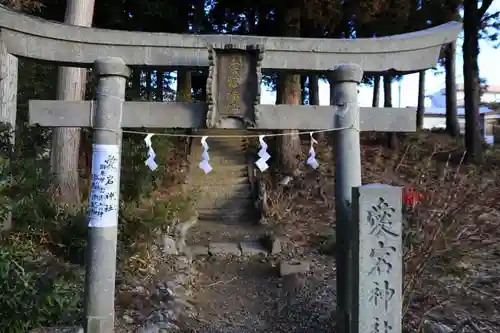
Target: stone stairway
224,197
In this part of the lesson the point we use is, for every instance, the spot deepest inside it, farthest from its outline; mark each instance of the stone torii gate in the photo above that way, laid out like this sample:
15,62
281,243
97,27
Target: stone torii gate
235,65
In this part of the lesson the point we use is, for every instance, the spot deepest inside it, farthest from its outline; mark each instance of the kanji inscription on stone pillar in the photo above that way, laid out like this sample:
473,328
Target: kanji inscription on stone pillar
376,234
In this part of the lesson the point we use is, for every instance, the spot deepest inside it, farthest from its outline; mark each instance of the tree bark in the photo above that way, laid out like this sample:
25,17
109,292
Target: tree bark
184,77
452,124
279,91
199,83
304,90
66,141
392,140
376,91
313,90
199,15
9,67
149,86
289,143
183,86
159,85
183,92
473,138
421,100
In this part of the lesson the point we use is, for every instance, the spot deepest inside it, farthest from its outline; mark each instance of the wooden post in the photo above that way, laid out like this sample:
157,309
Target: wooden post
8,103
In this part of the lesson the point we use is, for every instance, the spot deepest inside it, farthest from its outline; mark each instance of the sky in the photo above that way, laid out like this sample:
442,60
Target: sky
488,69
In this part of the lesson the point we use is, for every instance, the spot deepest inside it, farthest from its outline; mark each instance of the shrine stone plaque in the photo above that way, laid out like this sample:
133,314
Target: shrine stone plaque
233,87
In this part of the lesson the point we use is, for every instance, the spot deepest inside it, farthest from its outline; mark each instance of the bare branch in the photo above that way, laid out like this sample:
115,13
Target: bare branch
484,8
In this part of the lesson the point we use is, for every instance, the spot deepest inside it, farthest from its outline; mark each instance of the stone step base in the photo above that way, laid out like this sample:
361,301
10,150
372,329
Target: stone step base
222,191
219,180
227,205
245,248
222,169
222,216
225,231
219,162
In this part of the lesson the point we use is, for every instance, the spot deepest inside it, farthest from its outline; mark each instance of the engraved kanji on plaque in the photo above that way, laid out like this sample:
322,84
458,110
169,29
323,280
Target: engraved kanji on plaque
381,255
379,218
380,326
381,294
233,85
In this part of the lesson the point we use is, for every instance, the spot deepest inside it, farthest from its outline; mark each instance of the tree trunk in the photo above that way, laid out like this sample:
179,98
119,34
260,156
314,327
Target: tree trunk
473,139
199,15
159,85
199,84
149,86
452,125
279,91
392,140
183,86
304,90
9,66
85,153
313,90
66,141
137,79
376,91
289,144
421,100
184,77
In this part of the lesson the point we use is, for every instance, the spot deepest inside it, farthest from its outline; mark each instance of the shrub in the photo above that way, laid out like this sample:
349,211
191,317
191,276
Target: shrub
41,259
36,293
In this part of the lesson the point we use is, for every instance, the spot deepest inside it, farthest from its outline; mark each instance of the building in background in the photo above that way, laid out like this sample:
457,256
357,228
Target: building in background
435,111
436,118
438,98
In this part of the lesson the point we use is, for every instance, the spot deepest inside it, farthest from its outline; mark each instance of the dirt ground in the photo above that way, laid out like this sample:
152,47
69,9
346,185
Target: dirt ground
249,296
452,256
451,247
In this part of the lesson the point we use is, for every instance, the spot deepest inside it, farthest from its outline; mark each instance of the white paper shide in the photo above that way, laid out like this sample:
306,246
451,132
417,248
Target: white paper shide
104,192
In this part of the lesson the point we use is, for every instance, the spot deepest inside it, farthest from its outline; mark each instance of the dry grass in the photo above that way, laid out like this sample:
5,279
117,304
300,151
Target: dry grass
154,215
451,236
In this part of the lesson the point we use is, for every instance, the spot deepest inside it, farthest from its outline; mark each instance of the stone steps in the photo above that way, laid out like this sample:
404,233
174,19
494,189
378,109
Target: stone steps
224,199
232,219
213,230
228,179
223,161
233,204
226,187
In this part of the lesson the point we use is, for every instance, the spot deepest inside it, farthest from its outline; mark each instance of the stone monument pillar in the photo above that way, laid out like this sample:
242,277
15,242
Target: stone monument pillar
377,259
